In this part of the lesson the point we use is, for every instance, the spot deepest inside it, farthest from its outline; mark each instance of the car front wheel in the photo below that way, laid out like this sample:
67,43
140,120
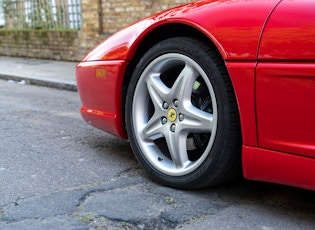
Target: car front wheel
181,115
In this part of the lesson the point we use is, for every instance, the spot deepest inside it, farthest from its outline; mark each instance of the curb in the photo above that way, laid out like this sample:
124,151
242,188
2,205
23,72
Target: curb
51,83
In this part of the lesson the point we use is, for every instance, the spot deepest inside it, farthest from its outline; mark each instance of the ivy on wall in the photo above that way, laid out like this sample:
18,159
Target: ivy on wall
41,14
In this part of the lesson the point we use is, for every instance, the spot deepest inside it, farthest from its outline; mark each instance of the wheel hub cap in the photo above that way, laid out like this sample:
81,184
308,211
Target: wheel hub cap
172,115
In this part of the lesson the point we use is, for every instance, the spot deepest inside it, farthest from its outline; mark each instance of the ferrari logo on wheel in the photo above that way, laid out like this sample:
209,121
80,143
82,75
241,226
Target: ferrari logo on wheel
172,115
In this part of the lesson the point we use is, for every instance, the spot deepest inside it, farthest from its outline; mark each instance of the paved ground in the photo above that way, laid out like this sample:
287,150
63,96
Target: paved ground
56,74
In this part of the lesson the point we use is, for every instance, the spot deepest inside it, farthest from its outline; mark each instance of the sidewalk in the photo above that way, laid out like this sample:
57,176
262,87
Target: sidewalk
55,74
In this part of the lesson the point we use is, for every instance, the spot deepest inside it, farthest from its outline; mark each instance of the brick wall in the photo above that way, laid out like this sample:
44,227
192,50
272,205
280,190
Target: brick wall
100,18
39,44
120,13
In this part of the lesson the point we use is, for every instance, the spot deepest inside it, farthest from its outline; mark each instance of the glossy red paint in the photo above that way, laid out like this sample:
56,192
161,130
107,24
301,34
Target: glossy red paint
243,79
286,108
290,32
234,26
277,167
286,90
269,50
101,97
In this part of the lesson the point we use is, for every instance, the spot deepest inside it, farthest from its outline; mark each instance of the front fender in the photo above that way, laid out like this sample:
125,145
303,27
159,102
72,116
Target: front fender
234,27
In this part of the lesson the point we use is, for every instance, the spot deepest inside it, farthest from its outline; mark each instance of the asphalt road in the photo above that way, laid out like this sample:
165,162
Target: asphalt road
57,172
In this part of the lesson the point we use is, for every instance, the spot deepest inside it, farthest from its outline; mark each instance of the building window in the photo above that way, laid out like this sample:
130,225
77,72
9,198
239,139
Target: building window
1,14
40,14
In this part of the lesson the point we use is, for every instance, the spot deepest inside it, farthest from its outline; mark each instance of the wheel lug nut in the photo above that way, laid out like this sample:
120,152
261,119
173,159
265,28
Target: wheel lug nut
164,120
173,126
175,102
165,105
181,117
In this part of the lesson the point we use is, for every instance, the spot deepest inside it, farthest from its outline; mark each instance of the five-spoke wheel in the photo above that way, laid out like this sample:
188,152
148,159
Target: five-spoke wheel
181,115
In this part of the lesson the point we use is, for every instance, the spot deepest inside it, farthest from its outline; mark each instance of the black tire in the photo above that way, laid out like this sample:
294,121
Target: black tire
181,115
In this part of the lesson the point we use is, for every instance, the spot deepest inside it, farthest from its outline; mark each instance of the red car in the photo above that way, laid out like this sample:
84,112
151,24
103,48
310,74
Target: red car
210,88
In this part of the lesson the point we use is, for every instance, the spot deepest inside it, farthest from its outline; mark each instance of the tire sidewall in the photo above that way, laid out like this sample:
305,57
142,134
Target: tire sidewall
210,169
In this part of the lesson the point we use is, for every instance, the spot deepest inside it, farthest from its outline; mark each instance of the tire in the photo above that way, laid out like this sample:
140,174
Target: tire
181,115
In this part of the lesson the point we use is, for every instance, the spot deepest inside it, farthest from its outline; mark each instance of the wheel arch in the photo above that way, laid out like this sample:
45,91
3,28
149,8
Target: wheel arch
158,34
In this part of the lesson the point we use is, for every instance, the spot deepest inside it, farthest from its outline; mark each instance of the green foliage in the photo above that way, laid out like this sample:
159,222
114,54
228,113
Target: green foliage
41,15
38,14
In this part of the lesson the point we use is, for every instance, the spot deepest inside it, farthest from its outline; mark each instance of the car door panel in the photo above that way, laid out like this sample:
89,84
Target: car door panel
286,107
285,80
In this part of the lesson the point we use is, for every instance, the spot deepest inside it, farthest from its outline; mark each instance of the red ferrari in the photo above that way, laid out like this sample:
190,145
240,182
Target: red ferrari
206,90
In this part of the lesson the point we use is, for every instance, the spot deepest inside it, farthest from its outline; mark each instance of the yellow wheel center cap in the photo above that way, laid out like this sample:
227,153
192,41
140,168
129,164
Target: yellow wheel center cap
171,115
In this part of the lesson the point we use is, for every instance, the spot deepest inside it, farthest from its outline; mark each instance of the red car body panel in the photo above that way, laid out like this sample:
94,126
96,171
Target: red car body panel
289,33
285,107
99,84
286,80
277,167
285,96
242,76
270,59
233,26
